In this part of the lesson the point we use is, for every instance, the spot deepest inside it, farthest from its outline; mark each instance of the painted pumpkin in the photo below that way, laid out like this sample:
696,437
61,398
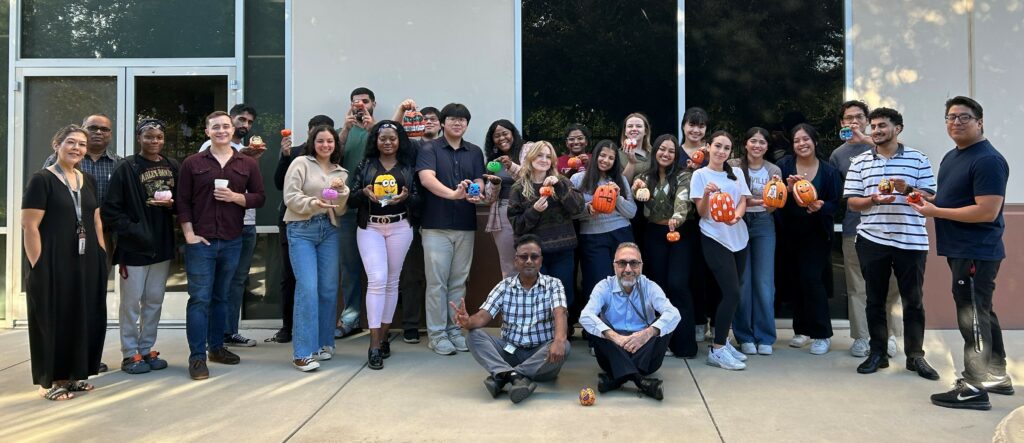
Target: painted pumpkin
774,193
629,144
547,191
413,123
257,142
587,396
329,194
286,132
385,186
698,157
473,190
604,199
804,193
915,198
162,196
494,166
643,194
574,162
672,236
885,187
722,208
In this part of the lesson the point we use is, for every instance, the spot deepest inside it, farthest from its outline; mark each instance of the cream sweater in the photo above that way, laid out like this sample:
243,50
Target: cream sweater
303,184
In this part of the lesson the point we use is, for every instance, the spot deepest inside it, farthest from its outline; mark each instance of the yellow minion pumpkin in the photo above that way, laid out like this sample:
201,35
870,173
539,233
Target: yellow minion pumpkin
385,186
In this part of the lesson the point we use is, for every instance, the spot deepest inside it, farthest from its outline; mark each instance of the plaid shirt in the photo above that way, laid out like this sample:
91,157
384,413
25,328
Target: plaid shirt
528,320
100,169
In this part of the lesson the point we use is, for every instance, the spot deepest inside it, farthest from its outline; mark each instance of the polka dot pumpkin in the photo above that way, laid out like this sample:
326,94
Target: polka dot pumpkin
722,208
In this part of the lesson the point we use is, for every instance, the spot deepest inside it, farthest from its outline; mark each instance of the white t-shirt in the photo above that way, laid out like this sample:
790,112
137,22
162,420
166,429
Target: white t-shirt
758,180
250,214
734,237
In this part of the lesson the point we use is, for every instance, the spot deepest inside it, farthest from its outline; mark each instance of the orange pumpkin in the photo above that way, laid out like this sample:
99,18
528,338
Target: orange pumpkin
698,157
915,198
804,193
286,132
413,123
885,187
722,207
546,191
672,236
574,162
587,396
604,199
774,193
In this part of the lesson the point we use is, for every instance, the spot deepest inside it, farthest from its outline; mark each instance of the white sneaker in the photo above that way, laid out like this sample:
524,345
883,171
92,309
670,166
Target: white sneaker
700,330
458,341
860,348
892,347
593,353
722,358
735,354
669,353
325,353
748,348
764,349
799,341
820,346
305,364
442,346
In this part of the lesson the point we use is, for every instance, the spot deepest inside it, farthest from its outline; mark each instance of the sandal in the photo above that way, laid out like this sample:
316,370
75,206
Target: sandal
79,386
57,393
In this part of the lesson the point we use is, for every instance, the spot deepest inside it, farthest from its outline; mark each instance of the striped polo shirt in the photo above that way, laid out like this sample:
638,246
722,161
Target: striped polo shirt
893,224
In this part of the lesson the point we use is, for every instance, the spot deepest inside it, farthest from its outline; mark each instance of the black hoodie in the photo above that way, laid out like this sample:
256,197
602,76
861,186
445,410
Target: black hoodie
145,234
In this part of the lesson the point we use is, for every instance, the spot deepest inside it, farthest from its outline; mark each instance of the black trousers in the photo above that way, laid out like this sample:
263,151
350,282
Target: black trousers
623,366
412,283
668,265
287,280
705,290
727,267
877,263
988,356
807,254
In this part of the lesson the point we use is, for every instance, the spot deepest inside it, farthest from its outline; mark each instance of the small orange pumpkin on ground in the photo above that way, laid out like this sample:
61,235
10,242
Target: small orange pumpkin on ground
604,199
587,396
804,193
722,208
774,193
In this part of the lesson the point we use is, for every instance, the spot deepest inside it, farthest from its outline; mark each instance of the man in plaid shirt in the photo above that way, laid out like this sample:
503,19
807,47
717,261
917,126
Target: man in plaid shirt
533,341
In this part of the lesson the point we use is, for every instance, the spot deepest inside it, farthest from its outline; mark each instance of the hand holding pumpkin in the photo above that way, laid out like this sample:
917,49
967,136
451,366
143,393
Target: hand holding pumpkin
492,179
401,196
923,206
408,104
815,206
551,180
877,199
541,204
368,191
638,184
323,204
505,161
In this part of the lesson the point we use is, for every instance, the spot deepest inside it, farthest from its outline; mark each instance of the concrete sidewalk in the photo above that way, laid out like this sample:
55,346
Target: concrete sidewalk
419,396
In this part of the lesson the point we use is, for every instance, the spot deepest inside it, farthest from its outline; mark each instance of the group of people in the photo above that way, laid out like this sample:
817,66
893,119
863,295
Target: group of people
572,231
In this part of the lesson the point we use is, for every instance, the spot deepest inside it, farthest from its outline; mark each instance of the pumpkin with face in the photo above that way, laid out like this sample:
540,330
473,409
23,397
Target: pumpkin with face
915,198
643,194
494,166
722,208
804,193
413,123
698,157
885,187
385,187
774,193
604,199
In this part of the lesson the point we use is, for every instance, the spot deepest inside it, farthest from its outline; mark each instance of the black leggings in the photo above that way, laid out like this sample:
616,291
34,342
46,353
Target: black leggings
668,264
727,266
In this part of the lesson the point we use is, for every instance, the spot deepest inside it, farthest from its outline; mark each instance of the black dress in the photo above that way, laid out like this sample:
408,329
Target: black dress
66,291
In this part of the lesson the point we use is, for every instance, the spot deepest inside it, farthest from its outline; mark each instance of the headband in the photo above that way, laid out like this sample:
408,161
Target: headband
149,123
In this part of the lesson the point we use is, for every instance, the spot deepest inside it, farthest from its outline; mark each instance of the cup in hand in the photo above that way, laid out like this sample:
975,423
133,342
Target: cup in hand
220,183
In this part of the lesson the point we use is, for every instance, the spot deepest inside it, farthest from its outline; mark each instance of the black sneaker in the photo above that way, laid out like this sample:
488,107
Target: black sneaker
998,385
385,348
963,396
103,367
521,388
411,336
495,384
237,340
282,336
197,369
651,387
224,356
374,360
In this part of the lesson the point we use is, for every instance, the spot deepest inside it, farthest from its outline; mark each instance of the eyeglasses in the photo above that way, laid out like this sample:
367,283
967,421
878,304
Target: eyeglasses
853,118
960,118
630,264
99,129
528,257
456,120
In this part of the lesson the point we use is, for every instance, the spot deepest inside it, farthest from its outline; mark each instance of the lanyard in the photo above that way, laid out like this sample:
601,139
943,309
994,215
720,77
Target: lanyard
76,194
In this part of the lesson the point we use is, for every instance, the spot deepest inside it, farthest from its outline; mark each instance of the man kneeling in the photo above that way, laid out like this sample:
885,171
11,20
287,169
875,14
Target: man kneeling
630,321
533,342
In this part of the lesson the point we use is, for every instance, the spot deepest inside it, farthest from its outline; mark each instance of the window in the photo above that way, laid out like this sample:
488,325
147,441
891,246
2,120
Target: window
594,62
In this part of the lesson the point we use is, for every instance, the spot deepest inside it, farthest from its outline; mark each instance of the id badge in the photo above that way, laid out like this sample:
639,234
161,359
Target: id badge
81,241
509,348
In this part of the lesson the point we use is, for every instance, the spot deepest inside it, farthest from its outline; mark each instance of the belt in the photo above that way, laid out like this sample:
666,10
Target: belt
385,219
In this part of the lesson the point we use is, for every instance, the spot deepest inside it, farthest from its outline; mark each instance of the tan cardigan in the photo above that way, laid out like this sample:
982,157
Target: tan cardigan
303,184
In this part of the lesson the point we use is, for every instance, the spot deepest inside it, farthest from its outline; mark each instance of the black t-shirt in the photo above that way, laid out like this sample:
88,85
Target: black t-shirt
395,172
966,173
156,176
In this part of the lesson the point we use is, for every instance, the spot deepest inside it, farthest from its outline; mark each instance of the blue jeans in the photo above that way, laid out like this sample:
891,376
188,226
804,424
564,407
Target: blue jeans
237,291
560,265
597,252
313,248
755,317
209,269
352,279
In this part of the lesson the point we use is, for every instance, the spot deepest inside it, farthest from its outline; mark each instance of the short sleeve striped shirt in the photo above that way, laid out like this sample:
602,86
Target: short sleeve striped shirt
527,314
894,224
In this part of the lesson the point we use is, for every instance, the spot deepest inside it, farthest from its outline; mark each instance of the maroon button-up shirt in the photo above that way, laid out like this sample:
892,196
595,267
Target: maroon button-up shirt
211,218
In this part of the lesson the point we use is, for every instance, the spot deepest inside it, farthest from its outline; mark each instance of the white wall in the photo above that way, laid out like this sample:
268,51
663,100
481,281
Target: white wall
912,55
433,52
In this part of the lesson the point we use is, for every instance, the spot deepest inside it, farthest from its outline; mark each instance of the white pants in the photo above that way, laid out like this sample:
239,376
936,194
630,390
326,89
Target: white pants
382,248
142,298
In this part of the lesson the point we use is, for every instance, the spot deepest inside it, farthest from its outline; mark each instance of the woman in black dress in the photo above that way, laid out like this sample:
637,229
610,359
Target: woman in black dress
67,277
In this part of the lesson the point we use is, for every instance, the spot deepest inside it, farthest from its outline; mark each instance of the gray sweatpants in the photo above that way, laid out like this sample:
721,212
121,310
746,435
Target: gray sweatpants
489,351
142,298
